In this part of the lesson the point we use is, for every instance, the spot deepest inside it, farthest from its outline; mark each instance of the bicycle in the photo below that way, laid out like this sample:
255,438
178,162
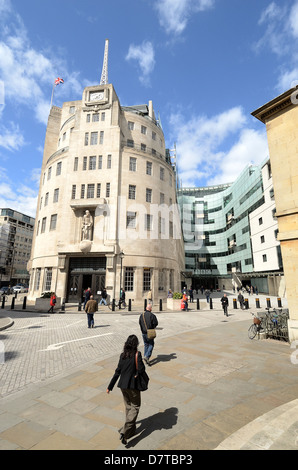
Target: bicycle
117,304
256,327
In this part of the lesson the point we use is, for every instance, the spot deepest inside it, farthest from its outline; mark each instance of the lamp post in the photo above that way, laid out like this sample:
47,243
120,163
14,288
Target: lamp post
121,255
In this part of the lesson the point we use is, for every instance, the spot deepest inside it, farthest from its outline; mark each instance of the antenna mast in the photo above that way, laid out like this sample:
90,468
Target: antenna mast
104,73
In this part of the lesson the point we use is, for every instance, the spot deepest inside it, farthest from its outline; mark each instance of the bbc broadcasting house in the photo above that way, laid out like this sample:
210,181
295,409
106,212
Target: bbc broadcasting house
107,207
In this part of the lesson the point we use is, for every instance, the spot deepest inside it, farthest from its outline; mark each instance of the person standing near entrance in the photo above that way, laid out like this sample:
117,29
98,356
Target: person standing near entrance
87,296
90,309
103,297
225,302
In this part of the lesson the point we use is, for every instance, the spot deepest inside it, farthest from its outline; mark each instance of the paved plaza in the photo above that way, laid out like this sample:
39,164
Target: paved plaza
210,386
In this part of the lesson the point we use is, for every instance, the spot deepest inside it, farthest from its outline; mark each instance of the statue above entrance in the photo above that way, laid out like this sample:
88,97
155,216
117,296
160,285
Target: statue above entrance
87,226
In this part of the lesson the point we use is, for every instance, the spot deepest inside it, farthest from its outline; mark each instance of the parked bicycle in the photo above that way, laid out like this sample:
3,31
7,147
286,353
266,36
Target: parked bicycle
257,326
273,322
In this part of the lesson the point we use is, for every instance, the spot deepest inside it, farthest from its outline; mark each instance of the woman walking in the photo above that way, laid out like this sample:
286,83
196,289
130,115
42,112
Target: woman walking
127,372
52,302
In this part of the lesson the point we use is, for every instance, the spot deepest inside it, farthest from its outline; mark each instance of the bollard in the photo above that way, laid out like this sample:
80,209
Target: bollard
16,294
3,302
12,303
198,304
246,304
160,305
129,305
268,303
279,302
63,305
24,303
145,304
113,305
211,304
80,306
234,303
258,303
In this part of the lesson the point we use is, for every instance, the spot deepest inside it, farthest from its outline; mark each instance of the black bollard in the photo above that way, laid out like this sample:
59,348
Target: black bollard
113,305
246,304
258,303
129,305
63,305
12,303
234,303
145,304
268,303
198,304
24,303
279,302
160,305
80,306
211,303
3,302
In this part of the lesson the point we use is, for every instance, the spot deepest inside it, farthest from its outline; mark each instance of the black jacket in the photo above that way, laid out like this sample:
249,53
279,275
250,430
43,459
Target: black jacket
224,301
150,319
126,370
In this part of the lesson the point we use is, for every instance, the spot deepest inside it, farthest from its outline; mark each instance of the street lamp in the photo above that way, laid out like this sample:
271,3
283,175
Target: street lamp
121,255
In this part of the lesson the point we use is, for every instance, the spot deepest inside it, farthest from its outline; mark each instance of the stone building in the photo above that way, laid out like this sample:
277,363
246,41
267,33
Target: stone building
107,213
281,118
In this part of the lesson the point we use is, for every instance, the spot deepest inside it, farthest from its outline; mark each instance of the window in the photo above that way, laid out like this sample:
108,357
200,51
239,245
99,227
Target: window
260,220
148,195
84,163
162,198
73,191
149,168
132,164
103,116
262,239
131,125
49,173
72,109
53,222
94,138
95,117
128,279
46,199
58,168
143,147
88,118
109,162
76,164
98,190
144,130
86,138
130,143
153,151
37,278
131,219
92,163
90,191
274,214
48,280
101,136
161,225
153,135
131,191
264,258
148,222
108,189
82,191
56,195
146,279
43,225
100,162
162,173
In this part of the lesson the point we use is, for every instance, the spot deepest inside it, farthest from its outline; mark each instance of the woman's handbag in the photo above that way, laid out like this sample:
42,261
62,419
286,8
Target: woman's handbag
142,380
151,333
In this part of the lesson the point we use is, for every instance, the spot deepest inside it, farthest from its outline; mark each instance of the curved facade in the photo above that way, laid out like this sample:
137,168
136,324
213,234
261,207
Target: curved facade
107,187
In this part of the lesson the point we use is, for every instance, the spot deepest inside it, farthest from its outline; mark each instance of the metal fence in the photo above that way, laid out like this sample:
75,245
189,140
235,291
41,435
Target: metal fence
275,324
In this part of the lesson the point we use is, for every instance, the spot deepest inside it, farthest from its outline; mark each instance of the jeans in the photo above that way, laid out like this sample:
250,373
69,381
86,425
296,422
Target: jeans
103,301
148,346
90,317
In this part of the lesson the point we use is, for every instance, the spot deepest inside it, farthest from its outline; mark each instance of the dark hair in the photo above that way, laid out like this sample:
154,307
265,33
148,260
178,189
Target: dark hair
130,346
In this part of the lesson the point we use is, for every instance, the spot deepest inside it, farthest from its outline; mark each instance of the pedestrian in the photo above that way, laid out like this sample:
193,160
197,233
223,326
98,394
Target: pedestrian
148,321
90,308
190,293
126,370
87,296
53,301
122,298
225,302
149,297
103,297
241,300
170,294
207,294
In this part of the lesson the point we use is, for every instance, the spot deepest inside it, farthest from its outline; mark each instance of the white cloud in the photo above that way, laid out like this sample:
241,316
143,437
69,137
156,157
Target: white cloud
11,138
215,150
21,198
174,14
144,55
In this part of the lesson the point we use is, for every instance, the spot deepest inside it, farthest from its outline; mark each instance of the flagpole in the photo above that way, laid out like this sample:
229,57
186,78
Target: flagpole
52,95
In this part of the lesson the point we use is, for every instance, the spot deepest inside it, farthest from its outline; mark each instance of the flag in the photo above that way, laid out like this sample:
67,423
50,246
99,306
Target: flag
59,80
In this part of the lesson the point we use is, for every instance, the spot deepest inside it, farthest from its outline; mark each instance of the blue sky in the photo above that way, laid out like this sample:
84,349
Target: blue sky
205,64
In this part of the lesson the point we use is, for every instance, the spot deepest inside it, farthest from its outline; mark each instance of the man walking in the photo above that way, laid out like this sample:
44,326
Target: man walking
225,302
147,321
90,309
103,297
241,300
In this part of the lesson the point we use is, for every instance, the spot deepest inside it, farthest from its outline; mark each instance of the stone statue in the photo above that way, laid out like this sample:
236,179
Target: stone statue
87,226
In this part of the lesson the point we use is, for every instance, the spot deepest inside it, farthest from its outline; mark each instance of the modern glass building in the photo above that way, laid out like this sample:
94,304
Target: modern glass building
216,228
